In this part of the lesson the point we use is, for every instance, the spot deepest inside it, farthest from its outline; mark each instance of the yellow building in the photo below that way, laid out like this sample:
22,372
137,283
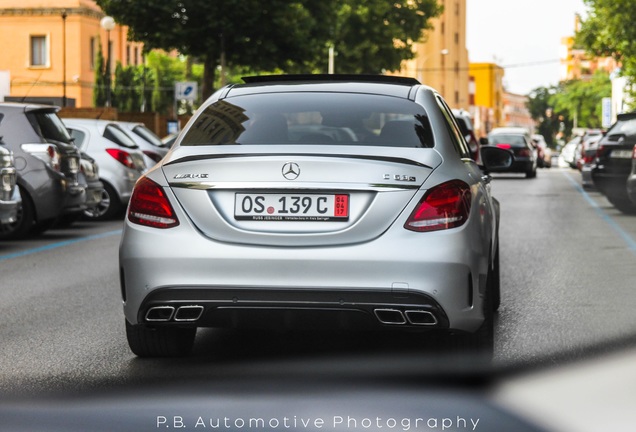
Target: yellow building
442,60
49,49
487,94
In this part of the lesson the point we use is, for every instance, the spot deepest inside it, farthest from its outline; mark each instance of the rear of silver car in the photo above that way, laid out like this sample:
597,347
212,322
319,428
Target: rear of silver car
389,228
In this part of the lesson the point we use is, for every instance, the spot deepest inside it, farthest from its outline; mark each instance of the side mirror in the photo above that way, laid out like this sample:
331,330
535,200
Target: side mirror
496,159
483,141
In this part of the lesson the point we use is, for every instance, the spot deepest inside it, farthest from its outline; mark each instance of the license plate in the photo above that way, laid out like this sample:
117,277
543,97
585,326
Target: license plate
292,207
621,154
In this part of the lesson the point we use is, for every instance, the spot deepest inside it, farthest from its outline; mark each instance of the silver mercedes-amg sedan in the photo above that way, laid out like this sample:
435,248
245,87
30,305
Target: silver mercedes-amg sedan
314,201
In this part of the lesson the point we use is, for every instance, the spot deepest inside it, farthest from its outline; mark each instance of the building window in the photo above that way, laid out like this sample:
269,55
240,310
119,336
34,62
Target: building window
93,53
136,57
456,38
128,60
39,51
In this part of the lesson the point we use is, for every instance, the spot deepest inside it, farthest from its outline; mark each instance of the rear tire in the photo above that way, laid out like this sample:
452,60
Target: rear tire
166,341
625,205
109,206
24,222
496,284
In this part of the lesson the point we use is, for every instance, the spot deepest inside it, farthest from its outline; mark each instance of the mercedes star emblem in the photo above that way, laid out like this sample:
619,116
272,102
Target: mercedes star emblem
291,171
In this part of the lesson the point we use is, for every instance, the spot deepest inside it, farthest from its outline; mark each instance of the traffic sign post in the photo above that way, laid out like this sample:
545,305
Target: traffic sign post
606,106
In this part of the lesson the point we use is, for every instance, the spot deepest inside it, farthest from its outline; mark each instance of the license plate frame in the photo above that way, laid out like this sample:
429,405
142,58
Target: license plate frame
292,207
621,154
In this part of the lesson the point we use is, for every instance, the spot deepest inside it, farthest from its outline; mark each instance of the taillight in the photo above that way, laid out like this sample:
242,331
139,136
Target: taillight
45,152
149,206
634,153
504,146
442,207
524,152
600,150
122,157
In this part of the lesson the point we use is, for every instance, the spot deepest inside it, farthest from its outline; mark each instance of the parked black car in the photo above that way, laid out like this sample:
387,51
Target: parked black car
48,166
613,162
631,180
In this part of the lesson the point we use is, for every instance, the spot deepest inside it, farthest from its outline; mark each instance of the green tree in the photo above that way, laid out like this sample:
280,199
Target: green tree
541,108
289,35
608,30
373,36
99,91
582,99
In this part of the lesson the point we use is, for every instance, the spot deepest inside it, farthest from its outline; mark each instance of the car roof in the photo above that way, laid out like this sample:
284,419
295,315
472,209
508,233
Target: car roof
372,84
28,107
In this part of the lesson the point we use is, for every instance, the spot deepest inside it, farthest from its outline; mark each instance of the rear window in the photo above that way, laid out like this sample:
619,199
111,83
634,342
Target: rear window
311,118
118,136
148,135
625,128
513,140
49,126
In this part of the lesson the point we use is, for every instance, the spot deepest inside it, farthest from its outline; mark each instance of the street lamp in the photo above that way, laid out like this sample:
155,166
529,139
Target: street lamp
64,16
108,23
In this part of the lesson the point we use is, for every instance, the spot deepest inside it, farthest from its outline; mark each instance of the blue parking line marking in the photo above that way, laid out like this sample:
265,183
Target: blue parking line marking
631,243
58,245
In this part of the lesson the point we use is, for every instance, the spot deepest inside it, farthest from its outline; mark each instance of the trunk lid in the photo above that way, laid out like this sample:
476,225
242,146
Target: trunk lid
297,197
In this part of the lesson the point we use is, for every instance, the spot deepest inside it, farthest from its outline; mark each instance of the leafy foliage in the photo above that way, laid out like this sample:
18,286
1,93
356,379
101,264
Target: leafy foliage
576,103
370,36
608,30
99,92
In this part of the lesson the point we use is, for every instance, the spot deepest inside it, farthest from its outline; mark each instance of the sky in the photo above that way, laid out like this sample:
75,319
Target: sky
523,36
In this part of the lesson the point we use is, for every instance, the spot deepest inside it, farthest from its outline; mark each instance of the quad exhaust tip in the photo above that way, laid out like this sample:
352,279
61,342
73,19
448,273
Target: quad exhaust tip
170,313
390,316
160,313
413,317
188,313
420,317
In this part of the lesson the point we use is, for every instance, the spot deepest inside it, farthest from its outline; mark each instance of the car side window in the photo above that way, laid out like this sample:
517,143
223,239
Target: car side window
80,138
453,130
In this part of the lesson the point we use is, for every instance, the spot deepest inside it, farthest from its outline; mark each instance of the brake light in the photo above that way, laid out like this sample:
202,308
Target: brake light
149,206
524,152
122,157
442,207
504,146
47,153
634,153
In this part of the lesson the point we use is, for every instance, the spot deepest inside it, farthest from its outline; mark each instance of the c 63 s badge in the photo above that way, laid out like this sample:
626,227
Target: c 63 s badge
190,176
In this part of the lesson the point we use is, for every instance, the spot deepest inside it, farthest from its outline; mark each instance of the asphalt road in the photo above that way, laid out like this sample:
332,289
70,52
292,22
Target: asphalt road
567,263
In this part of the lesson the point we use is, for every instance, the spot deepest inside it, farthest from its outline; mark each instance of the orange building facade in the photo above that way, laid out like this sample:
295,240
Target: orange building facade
442,60
50,47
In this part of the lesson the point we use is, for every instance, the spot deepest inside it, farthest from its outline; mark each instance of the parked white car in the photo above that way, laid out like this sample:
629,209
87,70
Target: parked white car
149,143
119,158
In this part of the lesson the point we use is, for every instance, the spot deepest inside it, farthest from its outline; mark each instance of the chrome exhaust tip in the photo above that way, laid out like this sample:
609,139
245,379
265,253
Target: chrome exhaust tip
160,313
188,313
420,317
390,316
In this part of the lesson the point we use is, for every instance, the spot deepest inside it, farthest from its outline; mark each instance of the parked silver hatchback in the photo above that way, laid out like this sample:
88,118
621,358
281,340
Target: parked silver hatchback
48,166
119,160
149,143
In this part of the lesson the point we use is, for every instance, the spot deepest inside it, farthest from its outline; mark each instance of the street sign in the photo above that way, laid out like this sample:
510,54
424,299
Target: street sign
606,105
186,90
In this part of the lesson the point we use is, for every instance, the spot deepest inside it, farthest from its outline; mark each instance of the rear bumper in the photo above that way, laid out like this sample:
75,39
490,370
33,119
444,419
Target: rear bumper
610,183
9,208
631,187
443,273
291,309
